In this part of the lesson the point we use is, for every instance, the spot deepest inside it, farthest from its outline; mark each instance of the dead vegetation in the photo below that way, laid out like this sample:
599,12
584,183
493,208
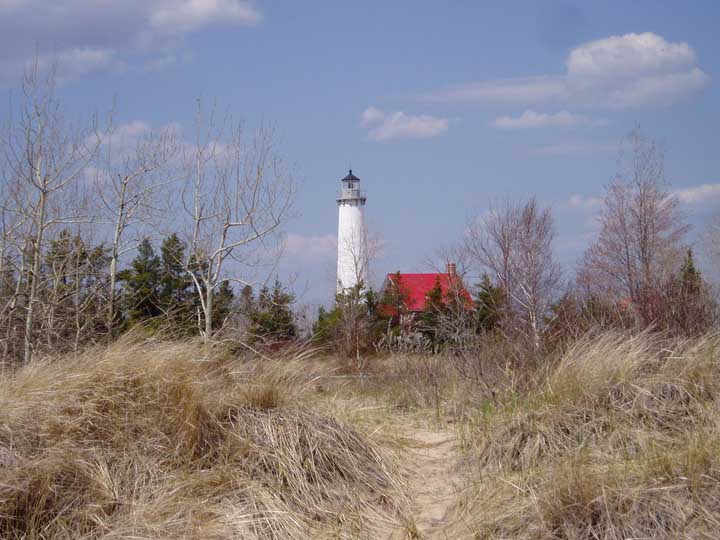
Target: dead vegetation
619,437
150,440
621,440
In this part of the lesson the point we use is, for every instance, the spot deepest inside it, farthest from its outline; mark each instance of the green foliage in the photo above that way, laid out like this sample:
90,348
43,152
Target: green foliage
177,296
354,332
354,324
142,285
75,273
689,275
392,305
434,309
325,328
271,317
224,304
160,288
488,305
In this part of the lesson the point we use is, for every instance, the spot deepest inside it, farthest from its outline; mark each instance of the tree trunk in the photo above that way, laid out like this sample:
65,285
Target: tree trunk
34,272
208,313
114,260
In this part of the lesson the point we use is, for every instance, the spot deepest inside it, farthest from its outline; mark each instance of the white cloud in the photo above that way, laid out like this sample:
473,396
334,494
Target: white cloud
311,248
78,61
133,129
371,115
70,62
181,16
619,71
694,195
398,125
532,119
705,193
87,35
629,56
583,202
574,147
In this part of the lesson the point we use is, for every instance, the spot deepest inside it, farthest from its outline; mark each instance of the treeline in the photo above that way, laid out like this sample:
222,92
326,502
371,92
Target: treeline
104,228
637,274
81,199
154,292
364,322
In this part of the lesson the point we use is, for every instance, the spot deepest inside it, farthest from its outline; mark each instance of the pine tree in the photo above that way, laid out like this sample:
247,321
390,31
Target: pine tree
392,305
176,296
322,332
488,305
246,304
142,285
272,320
224,299
353,323
689,275
432,312
74,273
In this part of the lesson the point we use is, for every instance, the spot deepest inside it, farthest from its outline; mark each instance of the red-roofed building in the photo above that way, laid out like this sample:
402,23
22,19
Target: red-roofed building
409,292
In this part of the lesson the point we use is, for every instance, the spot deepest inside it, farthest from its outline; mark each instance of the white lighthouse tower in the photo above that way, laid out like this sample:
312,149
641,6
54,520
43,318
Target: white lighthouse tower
352,249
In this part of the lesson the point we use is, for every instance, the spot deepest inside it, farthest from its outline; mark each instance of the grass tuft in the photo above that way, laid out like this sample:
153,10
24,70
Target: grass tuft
620,440
153,440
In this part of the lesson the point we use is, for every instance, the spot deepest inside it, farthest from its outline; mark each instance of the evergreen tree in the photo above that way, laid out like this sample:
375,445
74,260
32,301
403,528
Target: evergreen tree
176,295
432,312
224,299
246,304
392,305
353,322
488,305
689,275
142,285
272,319
74,274
322,330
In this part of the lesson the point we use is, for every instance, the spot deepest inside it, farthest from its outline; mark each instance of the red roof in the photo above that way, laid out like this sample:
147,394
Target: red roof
414,288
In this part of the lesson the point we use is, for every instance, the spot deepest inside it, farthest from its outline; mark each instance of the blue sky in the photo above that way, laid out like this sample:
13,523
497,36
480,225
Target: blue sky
440,107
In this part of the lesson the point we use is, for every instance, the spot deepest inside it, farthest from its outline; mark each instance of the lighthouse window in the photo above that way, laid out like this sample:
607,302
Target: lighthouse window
350,185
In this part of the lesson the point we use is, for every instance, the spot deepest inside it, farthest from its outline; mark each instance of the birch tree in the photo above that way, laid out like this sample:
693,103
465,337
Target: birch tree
353,302
128,182
12,259
513,242
237,194
46,155
641,227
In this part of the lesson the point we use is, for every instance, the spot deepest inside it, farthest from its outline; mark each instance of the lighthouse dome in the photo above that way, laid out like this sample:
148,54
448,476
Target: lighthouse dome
351,177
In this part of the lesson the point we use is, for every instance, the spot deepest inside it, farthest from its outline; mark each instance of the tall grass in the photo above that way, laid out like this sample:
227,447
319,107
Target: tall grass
146,440
620,440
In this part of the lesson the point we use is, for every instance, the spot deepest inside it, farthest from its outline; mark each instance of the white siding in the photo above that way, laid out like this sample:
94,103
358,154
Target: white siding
352,254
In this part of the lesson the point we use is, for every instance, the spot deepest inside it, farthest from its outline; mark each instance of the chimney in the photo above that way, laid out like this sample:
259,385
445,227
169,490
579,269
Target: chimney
451,269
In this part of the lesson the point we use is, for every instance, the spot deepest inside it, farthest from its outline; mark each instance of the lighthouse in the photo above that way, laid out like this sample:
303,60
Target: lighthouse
352,238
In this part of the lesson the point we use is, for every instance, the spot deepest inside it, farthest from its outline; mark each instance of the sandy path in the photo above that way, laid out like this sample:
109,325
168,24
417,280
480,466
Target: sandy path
433,483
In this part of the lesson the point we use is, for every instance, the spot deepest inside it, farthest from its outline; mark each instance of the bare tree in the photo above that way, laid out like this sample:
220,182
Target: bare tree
45,155
513,242
236,196
352,302
12,259
641,227
362,248
456,254
128,183
711,243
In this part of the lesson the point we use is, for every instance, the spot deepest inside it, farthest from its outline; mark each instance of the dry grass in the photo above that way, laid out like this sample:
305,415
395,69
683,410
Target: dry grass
168,441
618,438
621,440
